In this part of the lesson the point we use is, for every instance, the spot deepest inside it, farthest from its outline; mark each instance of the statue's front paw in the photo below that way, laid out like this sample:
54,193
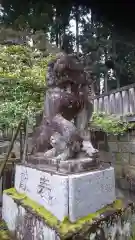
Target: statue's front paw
56,159
60,158
89,149
63,156
91,152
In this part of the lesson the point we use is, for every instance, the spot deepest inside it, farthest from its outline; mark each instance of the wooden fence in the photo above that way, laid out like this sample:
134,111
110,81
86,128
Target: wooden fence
120,102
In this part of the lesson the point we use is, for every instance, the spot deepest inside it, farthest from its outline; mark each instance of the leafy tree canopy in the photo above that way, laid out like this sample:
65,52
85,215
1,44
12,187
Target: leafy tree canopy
22,80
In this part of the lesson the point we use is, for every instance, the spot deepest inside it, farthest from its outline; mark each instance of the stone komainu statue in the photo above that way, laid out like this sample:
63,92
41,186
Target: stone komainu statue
63,132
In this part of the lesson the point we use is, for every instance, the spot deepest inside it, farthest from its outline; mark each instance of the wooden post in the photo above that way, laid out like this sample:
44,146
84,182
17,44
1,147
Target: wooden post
10,149
21,143
2,167
106,82
26,142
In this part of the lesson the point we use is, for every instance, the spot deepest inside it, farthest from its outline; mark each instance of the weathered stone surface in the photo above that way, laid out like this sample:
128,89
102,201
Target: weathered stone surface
112,138
78,166
102,145
24,225
98,186
29,221
132,159
105,157
124,138
125,157
127,179
122,157
118,157
63,132
113,146
126,147
123,183
4,147
65,195
125,154
132,133
113,158
68,166
121,227
130,171
118,169
131,137
49,190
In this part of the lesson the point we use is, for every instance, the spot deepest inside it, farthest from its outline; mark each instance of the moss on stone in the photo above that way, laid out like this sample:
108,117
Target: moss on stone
4,234
65,227
118,157
132,238
110,124
15,194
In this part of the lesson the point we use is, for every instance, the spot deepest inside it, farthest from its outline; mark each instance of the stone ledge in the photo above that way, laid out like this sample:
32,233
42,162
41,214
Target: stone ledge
69,166
62,230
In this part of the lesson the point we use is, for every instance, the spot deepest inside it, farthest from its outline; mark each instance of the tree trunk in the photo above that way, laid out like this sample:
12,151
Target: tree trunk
106,75
57,27
21,143
106,82
25,143
2,167
114,52
77,29
57,38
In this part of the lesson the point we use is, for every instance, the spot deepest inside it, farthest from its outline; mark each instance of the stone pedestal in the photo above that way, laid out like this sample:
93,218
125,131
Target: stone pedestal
23,223
73,196
60,196
46,205
27,220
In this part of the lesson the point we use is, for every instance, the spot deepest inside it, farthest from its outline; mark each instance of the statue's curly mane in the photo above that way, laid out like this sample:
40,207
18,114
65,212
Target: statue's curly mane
65,69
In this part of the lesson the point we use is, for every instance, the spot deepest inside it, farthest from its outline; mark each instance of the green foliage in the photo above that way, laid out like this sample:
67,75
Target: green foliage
110,124
22,80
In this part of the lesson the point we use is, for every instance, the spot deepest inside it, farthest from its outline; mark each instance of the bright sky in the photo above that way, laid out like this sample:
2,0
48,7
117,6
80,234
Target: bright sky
72,26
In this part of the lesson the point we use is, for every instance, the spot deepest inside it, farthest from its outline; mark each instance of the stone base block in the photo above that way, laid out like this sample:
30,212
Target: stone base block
23,224
46,188
90,192
73,196
69,166
28,220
